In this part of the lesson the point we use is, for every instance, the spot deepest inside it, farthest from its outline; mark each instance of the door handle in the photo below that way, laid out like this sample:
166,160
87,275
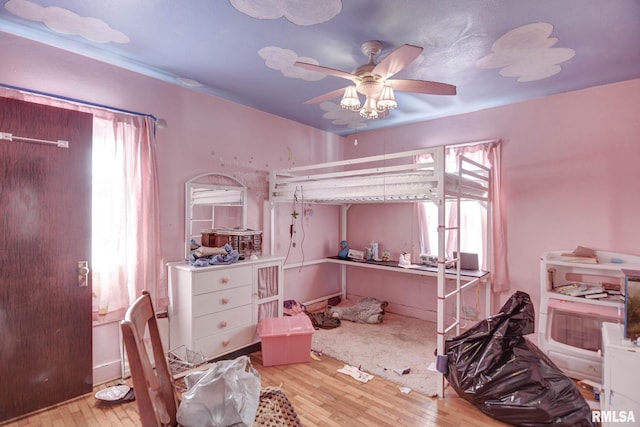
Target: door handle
83,273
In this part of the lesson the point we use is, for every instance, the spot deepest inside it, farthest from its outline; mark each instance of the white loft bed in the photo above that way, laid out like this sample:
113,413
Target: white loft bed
394,178
385,178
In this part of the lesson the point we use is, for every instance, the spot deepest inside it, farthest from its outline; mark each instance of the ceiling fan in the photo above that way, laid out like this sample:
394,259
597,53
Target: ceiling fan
373,80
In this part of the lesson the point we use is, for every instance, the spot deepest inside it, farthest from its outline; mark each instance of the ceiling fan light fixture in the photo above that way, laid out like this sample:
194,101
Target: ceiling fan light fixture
350,100
369,110
375,82
387,99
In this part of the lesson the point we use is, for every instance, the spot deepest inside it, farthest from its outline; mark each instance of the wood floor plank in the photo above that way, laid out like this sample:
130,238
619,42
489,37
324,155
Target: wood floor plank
321,395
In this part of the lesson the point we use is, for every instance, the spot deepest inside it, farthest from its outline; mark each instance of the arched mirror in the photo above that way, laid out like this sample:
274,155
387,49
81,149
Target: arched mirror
213,200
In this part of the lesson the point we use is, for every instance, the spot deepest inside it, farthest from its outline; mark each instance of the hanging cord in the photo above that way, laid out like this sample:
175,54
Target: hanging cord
292,231
302,228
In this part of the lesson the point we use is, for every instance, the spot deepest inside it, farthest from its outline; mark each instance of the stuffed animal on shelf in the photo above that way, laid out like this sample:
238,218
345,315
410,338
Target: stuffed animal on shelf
344,250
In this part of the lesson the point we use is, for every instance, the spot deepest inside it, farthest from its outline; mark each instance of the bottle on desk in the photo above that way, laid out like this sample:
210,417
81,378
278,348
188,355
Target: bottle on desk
374,251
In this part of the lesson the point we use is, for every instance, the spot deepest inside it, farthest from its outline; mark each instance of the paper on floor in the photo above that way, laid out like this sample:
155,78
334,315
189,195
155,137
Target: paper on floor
356,373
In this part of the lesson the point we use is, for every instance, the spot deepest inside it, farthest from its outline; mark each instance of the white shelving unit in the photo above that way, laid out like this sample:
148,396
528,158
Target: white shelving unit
569,326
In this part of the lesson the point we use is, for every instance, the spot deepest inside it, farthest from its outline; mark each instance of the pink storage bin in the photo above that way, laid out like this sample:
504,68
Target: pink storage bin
285,340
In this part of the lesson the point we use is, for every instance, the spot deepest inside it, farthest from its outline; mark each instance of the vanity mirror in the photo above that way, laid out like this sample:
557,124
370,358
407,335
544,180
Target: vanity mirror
213,200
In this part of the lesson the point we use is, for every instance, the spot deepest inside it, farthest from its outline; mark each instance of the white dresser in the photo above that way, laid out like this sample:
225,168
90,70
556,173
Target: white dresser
216,309
621,375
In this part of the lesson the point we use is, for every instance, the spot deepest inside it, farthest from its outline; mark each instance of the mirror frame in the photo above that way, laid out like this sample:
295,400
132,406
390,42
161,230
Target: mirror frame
216,189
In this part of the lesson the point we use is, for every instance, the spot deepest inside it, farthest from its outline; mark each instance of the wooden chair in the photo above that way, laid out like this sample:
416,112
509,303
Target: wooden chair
154,388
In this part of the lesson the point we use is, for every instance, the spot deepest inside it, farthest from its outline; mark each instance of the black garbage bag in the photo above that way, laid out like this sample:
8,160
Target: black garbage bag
493,366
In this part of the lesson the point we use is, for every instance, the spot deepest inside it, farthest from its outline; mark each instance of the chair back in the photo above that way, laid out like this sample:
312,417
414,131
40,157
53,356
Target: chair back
153,387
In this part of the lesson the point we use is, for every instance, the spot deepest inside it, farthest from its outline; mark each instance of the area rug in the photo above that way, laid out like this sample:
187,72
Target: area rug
396,344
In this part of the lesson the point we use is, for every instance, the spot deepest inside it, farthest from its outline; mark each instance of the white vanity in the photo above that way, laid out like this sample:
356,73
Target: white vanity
215,309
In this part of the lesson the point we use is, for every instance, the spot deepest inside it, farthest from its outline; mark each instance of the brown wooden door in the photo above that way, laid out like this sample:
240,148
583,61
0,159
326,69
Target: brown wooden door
45,229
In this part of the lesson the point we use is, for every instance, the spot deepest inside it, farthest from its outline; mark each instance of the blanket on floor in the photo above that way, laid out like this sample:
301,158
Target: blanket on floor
366,310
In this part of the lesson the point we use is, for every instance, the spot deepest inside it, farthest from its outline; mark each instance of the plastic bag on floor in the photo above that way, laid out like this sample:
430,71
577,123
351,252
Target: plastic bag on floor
226,394
493,366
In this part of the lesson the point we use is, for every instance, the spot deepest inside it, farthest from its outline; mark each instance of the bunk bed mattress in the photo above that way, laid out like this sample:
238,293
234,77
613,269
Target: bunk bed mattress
404,186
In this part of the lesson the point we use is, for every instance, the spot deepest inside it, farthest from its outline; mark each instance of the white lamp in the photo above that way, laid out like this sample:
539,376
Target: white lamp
387,100
350,100
369,110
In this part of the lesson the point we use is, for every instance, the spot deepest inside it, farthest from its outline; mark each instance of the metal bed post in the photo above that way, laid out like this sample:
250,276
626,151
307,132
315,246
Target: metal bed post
439,154
343,236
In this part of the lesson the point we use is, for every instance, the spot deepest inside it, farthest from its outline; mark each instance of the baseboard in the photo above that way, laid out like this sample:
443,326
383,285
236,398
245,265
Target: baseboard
107,372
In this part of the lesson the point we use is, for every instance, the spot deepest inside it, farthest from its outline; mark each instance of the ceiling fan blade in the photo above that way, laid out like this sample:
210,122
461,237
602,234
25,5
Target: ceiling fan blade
422,86
325,70
397,60
326,96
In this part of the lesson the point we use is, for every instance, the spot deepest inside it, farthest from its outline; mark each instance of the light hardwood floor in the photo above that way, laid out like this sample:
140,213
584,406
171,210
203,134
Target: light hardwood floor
321,396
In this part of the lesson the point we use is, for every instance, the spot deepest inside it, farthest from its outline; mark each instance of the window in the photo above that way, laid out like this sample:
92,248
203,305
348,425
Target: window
473,214
125,223
472,238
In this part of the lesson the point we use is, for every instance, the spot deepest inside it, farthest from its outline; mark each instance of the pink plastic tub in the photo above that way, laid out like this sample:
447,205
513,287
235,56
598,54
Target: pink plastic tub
285,340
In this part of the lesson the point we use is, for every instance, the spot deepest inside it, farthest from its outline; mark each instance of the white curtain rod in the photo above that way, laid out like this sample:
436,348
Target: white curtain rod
9,137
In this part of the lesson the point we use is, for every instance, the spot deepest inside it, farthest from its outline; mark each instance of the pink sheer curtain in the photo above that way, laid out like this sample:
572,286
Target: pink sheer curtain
126,234
488,154
499,266
126,256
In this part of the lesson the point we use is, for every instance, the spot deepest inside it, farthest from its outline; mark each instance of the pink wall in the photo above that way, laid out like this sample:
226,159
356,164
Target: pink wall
570,173
204,134
570,176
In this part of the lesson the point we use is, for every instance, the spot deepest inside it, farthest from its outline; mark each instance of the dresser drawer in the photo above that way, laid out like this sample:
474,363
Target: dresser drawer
227,299
222,321
215,280
227,341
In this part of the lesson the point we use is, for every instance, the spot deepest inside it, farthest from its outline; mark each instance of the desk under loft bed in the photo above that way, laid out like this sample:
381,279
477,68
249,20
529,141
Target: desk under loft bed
396,178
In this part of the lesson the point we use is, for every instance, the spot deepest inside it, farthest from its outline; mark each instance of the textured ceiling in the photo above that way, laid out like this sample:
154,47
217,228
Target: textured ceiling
494,52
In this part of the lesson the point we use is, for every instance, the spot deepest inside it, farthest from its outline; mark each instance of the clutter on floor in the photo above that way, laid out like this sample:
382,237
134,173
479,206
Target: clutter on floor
381,349
319,320
356,373
402,371
116,394
275,409
293,307
369,312
226,394
493,366
230,393
365,310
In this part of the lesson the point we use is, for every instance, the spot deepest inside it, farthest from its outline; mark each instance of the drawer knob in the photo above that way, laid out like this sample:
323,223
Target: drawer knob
223,324
226,342
225,300
225,280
